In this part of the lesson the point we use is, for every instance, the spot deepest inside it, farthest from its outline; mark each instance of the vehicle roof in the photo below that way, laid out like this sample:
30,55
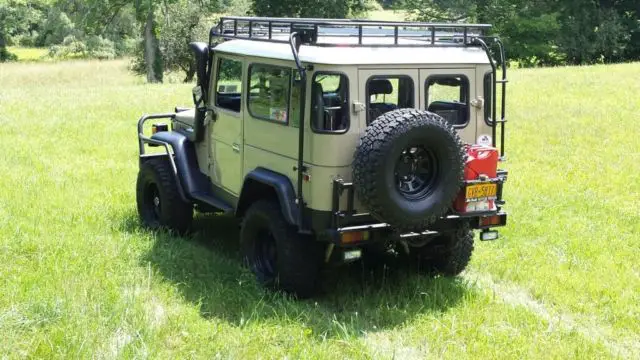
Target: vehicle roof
343,54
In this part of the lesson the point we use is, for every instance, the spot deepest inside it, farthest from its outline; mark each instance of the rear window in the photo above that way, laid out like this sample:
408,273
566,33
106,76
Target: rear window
448,96
387,93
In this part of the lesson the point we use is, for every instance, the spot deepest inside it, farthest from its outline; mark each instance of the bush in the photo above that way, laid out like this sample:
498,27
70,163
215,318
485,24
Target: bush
56,28
94,47
5,55
29,40
100,48
125,46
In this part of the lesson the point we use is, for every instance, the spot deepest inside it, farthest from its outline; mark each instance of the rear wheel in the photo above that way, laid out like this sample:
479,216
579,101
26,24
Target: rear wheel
158,199
448,254
279,257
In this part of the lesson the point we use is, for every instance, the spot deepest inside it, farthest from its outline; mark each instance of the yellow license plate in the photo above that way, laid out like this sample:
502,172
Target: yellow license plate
481,191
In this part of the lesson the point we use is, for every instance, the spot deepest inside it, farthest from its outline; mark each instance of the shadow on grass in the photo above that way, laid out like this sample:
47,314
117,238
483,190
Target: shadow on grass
207,269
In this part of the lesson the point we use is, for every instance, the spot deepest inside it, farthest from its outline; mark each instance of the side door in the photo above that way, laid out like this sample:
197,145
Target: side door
227,130
451,94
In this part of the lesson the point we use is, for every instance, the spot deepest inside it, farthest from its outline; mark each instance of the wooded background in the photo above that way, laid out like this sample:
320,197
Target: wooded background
155,33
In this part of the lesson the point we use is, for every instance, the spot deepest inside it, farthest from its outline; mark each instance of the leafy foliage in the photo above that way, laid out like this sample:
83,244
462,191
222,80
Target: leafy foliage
184,24
535,32
311,8
546,32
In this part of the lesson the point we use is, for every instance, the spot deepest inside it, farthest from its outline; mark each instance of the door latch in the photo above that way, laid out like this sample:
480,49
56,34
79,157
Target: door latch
477,102
358,106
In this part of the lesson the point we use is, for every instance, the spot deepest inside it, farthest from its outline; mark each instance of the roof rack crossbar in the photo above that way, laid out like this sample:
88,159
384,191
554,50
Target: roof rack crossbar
329,32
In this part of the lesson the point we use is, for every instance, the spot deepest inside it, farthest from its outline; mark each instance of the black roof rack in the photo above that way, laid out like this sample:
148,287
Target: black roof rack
348,32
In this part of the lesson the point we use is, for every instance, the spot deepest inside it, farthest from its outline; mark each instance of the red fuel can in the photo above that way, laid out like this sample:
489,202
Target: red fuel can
481,163
481,160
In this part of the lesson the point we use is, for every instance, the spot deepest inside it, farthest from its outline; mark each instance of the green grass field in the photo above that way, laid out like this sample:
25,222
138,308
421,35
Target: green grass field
80,279
26,54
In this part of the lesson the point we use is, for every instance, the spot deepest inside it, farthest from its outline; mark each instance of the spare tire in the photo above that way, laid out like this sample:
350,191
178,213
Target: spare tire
408,168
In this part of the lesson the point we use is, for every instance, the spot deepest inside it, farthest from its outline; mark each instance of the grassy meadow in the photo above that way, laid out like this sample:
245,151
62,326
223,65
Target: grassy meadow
81,279
29,54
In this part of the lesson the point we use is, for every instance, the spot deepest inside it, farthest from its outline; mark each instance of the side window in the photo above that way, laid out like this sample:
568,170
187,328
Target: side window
229,85
329,102
386,93
448,96
269,92
488,95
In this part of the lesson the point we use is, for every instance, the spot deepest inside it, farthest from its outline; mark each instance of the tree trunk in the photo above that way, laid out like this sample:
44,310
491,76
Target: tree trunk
191,72
152,58
5,55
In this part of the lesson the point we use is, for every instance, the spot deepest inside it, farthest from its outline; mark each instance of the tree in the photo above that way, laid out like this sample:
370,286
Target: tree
100,14
309,8
6,25
152,58
184,22
547,32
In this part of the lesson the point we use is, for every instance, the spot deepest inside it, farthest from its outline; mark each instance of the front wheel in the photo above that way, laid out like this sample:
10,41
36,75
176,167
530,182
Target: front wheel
158,199
278,256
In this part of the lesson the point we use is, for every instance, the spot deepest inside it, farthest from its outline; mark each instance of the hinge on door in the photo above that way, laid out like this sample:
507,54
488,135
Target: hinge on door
211,116
358,106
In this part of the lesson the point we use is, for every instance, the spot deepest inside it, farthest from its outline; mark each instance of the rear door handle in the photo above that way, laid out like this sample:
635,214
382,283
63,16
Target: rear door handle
236,147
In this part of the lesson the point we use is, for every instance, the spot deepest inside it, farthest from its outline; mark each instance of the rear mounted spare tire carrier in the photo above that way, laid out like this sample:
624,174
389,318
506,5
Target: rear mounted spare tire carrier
408,168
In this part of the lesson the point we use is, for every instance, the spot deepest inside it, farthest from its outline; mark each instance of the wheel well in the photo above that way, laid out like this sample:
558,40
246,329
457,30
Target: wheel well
252,191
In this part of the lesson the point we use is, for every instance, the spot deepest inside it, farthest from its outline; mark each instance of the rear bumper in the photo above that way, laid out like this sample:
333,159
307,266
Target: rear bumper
445,224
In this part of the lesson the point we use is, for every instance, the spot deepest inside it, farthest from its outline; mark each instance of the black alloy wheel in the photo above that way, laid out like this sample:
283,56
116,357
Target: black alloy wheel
416,172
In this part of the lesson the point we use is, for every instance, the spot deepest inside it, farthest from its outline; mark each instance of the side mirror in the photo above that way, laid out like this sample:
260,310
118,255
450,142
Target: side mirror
201,55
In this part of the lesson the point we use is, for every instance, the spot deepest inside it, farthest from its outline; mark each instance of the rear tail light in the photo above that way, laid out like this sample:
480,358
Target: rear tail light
488,221
354,237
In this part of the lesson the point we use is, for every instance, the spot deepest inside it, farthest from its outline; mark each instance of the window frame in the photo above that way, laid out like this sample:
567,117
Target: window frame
488,98
248,93
219,59
466,84
390,76
334,132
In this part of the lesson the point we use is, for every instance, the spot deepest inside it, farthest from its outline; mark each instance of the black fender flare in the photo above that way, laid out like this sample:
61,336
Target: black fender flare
282,187
190,179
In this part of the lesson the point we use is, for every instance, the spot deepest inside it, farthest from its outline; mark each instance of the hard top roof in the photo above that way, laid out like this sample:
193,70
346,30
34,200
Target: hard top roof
340,41
347,55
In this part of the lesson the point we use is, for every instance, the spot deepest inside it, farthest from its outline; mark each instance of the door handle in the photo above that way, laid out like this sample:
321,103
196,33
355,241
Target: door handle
235,147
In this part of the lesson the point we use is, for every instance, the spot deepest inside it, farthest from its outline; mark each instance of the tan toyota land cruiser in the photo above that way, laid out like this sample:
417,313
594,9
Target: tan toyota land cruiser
332,137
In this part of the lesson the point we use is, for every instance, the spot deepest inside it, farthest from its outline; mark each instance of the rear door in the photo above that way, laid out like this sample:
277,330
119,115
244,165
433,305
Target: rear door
450,93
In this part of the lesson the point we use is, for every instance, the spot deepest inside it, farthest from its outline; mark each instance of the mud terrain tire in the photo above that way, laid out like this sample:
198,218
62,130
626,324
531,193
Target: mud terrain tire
447,255
408,168
158,199
279,257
